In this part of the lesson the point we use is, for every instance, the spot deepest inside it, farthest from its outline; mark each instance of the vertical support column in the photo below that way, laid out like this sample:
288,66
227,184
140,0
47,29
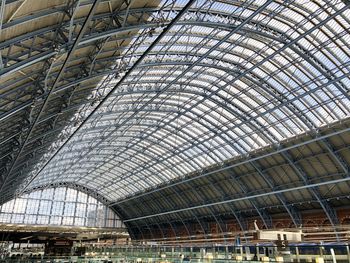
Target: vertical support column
64,204
321,249
11,215
106,221
26,214
333,256
75,207
327,208
86,211
75,7
52,204
95,213
297,254
37,212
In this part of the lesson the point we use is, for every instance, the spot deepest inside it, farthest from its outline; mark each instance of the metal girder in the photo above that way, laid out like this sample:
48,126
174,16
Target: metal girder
275,45
260,172
170,200
203,199
194,64
145,204
257,32
297,188
240,220
271,29
169,130
273,32
55,83
93,54
292,211
168,123
247,160
265,217
181,13
27,113
71,185
84,79
337,157
204,65
125,38
182,220
329,211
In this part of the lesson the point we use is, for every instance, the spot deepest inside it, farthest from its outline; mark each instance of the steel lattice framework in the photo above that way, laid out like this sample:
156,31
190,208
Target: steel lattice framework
141,100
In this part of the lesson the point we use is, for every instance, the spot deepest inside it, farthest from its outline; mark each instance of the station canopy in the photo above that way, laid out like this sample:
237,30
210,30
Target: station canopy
122,97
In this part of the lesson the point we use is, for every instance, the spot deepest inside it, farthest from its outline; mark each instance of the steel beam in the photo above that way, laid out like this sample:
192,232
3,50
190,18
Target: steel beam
246,160
161,35
293,213
55,83
297,188
329,211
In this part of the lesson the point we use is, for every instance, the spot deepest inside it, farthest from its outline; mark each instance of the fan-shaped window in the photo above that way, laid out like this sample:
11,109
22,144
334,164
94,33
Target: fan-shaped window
59,206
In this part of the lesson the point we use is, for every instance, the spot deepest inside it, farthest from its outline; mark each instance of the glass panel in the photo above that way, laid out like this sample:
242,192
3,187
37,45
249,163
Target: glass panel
70,209
205,87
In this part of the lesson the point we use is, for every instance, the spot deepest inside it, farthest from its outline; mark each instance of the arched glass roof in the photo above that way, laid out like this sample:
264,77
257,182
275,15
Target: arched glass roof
228,78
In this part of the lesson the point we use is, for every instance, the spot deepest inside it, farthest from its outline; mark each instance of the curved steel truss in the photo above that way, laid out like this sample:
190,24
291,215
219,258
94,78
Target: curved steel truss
126,96
304,180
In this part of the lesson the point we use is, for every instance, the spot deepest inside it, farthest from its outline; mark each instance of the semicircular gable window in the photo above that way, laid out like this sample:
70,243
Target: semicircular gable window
62,206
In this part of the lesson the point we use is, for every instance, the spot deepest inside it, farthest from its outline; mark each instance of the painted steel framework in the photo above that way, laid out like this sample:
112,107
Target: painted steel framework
133,99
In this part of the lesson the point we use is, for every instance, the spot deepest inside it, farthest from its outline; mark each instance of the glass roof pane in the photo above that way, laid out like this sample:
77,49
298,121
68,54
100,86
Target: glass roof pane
213,88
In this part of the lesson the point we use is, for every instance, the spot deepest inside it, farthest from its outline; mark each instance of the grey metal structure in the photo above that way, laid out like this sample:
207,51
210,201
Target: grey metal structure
179,112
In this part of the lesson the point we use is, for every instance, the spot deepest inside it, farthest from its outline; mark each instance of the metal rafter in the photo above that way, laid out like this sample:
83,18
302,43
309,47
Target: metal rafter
222,80
182,12
307,186
33,124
